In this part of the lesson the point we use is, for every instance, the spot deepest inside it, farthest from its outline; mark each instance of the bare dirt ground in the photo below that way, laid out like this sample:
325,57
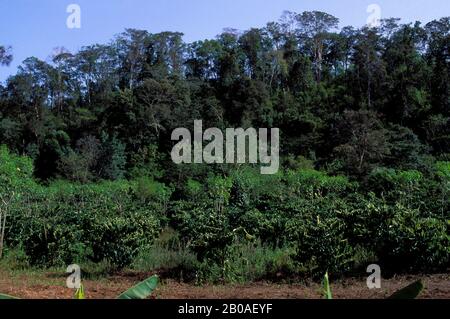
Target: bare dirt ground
52,286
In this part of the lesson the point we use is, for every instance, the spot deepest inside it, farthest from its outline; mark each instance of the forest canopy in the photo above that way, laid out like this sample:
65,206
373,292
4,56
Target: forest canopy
348,100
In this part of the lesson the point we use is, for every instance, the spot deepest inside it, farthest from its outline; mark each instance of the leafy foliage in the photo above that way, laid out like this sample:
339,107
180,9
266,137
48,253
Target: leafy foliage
363,115
410,292
141,290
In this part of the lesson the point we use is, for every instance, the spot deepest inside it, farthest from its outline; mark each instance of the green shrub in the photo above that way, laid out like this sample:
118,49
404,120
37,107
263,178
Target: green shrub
148,189
321,244
248,261
219,190
16,172
311,183
395,186
168,255
67,223
194,189
206,229
164,258
249,187
96,270
15,259
441,191
411,243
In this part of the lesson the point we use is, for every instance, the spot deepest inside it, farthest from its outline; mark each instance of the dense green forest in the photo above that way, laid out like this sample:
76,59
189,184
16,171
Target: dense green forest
364,118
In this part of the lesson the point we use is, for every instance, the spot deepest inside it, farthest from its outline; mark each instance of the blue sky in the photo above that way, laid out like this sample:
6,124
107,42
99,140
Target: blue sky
36,27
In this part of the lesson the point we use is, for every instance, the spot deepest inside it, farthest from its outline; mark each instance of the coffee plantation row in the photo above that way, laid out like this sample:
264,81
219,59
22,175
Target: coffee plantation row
304,222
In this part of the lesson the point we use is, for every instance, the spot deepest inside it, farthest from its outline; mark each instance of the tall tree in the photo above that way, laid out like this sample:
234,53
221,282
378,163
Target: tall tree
313,30
5,55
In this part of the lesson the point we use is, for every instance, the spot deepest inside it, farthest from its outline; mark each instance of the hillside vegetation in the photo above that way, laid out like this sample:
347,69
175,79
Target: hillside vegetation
364,117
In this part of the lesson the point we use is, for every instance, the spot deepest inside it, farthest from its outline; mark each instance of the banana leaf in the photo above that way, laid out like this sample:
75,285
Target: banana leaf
410,292
79,294
326,287
141,290
3,296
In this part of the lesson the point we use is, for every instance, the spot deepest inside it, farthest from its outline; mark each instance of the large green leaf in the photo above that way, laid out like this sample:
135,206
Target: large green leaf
410,292
141,290
3,296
